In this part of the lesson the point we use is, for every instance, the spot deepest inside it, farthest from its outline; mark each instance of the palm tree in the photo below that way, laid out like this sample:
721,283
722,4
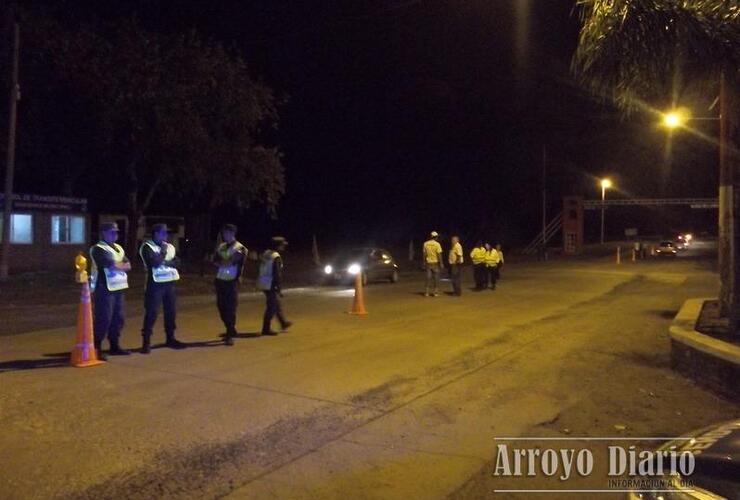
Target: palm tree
638,51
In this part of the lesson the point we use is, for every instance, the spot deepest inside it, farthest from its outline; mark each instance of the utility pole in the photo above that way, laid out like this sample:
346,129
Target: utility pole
10,163
544,202
728,208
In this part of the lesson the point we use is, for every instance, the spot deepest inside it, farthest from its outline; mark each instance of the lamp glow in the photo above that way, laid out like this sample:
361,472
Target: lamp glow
328,269
354,269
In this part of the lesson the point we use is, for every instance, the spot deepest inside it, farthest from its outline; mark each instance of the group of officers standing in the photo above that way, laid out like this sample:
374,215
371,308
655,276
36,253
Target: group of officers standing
487,263
109,280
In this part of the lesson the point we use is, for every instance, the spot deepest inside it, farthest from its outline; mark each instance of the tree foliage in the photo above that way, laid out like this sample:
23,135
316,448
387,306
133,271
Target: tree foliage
631,48
170,114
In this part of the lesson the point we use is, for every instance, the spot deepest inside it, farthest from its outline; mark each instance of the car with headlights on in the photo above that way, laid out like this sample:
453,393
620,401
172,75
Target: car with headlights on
373,264
666,249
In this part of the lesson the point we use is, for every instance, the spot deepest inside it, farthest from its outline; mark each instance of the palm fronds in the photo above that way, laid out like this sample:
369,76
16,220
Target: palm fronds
638,47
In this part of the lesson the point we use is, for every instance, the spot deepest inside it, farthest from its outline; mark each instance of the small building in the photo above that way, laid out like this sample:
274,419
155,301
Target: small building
46,232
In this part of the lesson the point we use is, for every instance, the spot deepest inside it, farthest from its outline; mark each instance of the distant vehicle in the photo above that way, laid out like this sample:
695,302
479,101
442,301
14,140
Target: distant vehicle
716,471
374,264
666,249
681,244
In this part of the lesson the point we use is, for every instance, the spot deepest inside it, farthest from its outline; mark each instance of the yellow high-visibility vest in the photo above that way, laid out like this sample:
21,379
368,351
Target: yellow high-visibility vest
162,273
115,279
492,258
478,255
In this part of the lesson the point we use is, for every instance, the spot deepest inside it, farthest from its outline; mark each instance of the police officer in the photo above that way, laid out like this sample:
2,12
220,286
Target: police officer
270,282
478,256
455,259
229,261
160,263
108,279
492,261
500,265
432,254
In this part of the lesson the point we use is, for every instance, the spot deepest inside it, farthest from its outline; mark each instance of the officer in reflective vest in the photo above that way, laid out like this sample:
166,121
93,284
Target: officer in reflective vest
160,262
229,261
478,257
108,279
501,261
492,261
270,282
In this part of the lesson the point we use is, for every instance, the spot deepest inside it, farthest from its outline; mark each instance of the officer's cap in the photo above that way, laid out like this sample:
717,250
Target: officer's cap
109,226
229,227
279,240
434,234
159,227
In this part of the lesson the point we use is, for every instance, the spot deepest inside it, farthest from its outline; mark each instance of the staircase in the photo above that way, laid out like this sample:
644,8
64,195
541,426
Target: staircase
551,230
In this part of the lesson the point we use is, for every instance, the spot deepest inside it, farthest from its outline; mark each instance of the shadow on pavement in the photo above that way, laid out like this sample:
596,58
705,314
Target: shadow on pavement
665,313
56,360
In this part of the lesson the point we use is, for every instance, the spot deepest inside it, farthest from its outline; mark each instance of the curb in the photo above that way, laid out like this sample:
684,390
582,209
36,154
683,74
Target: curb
709,361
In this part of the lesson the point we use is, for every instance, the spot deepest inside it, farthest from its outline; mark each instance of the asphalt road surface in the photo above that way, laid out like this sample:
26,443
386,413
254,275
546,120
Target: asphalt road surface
403,403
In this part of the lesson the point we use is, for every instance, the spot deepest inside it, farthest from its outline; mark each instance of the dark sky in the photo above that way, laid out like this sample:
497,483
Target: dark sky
406,116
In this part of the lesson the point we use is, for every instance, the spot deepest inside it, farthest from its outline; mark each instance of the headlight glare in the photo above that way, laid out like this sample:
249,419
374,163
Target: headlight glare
328,269
354,269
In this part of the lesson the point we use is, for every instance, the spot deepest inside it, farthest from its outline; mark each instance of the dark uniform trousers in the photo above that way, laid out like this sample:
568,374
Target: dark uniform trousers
155,294
273,308
479,274
227,298
492,272
108,320
456,277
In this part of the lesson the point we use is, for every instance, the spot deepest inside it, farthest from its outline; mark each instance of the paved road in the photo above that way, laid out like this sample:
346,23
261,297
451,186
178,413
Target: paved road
402,403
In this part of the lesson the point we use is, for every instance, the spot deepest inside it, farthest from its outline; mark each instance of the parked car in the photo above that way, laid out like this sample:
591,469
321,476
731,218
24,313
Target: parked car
374,264
666,249
716,471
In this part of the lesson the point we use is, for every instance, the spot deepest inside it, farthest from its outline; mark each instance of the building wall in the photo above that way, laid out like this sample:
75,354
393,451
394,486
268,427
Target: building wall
42,254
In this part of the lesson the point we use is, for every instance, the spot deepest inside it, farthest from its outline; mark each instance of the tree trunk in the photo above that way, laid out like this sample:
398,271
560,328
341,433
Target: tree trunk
132,211
729,203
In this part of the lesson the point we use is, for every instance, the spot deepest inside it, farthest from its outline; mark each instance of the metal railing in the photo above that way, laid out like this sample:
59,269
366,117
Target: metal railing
550,230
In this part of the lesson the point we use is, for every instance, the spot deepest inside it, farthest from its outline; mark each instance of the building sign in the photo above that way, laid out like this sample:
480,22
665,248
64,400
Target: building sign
37,202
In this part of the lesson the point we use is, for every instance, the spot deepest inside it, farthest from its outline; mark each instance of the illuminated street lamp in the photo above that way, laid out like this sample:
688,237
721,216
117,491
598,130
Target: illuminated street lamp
605,184
673,119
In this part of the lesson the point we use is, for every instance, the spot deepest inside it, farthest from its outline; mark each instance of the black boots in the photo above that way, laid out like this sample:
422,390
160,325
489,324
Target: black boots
100,353
229,337
173,343
146,346
116,350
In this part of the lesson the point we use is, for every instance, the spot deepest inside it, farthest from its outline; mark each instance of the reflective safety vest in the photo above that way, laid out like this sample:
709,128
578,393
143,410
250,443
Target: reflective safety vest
162,273
432,250
266,269
478,255
229,272
115,279
492,258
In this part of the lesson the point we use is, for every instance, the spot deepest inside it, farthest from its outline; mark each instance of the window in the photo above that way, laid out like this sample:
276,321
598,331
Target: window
21,228
67,229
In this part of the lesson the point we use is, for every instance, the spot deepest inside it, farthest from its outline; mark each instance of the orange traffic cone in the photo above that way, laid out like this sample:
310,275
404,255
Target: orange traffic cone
619,255
358,306
83,354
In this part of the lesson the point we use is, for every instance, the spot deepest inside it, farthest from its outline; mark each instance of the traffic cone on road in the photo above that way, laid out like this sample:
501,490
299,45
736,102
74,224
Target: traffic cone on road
619,255
83,354
358,305
634,255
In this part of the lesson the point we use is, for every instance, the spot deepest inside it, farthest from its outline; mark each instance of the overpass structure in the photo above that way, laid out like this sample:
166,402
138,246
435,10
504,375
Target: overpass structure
697,203
570,220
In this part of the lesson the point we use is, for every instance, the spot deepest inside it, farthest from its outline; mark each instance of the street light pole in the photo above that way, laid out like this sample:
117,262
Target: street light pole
605,184
603,196
10,164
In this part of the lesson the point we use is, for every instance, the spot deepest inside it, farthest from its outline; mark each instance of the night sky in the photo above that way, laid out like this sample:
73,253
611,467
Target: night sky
406,116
